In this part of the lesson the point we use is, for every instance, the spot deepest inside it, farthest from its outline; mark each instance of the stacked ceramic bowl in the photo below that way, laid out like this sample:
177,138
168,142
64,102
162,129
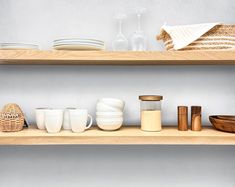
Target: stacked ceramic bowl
109,113
79,44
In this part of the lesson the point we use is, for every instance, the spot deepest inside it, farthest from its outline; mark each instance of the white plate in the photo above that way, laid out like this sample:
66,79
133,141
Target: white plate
79,40
18,46
69,39
78,43
81,43
78,47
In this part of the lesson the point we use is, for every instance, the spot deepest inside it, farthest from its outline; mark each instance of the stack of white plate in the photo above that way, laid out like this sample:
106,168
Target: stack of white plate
109,113
18,46
78,44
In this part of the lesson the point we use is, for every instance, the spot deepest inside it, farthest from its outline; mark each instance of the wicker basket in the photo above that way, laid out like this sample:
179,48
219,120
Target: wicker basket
221,37
11,118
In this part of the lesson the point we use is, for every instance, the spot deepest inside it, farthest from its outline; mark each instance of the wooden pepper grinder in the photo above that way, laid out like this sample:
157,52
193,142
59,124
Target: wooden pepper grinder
196,118
182,118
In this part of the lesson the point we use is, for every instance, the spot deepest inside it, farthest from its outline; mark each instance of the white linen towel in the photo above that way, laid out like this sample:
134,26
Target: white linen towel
184,35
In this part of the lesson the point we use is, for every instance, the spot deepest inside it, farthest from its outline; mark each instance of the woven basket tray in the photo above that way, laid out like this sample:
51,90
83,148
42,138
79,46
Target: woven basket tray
221,37
11,118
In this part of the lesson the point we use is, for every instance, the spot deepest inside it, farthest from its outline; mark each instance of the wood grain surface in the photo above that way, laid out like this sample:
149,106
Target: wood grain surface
182,118
32,57
125,136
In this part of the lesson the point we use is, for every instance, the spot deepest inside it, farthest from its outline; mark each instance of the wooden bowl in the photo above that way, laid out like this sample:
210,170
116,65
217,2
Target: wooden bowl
223,123
226,117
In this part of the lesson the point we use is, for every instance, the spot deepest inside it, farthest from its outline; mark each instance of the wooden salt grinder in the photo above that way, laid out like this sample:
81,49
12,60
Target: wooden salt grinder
196,118
182,118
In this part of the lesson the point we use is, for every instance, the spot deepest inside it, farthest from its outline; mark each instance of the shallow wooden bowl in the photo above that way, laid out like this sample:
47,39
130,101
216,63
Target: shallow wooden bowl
223,123
226,117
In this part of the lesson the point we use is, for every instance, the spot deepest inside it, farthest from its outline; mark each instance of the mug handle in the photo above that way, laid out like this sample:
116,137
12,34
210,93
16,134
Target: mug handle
89,125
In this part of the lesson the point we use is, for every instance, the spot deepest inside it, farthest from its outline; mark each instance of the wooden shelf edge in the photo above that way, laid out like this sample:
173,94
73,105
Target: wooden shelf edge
130,135
34,57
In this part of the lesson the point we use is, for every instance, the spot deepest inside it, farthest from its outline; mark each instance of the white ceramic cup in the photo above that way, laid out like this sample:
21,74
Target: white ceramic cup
66,120
78,120
40,118
53,120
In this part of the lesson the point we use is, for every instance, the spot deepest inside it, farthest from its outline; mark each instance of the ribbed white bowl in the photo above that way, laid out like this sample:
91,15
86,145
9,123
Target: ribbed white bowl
102,107
109,127
109,114
109,120
117,103
109,124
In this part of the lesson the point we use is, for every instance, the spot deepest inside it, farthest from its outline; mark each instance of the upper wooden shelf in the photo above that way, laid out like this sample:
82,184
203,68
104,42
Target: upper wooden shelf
124,136
32,57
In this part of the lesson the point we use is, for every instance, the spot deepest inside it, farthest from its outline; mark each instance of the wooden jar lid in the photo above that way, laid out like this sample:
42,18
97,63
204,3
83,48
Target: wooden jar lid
150,97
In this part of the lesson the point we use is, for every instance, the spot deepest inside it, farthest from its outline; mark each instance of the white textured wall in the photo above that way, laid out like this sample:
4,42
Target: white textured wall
41,21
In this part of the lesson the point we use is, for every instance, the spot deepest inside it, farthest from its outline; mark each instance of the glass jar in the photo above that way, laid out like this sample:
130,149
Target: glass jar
150,109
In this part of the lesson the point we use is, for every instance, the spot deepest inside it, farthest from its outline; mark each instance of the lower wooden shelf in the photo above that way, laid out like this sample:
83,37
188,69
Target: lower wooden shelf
125,136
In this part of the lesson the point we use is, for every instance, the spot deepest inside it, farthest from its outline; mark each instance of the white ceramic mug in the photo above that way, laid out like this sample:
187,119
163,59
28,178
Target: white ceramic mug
40,118
66,120
53,120
78,120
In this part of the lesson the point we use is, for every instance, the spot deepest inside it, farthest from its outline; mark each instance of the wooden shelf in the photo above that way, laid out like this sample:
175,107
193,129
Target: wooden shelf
32,57
124,136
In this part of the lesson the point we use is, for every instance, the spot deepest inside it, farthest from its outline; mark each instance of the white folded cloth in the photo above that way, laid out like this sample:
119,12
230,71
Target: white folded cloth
184,35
